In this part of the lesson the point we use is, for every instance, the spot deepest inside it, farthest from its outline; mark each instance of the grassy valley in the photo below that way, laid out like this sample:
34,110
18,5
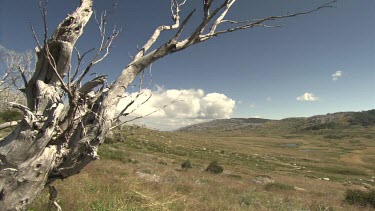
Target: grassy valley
268,167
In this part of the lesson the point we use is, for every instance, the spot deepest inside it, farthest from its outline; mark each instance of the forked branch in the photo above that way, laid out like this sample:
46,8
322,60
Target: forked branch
175,10
103,50
253,22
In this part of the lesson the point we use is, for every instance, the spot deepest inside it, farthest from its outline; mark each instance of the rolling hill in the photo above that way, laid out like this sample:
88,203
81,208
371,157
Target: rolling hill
338,120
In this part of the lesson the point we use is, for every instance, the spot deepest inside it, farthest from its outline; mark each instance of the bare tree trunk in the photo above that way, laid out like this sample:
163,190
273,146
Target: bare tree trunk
27,156
56,139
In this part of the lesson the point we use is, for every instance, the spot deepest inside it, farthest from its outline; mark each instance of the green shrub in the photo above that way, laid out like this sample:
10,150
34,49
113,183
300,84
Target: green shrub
364,118
360,198
186,165
214,168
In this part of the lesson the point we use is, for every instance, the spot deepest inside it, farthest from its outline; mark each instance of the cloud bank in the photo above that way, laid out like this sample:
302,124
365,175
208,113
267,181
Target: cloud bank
189,107
308,97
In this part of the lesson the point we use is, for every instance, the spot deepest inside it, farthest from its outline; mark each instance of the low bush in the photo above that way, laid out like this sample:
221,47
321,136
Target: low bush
186,165
214,168
360,198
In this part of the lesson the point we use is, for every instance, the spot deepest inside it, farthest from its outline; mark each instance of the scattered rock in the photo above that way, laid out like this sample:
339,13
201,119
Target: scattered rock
363,189
199,182
325,178
368,186
346,184
263,179
300,189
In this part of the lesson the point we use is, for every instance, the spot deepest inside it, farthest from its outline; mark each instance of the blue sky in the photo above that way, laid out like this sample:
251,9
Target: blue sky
263,70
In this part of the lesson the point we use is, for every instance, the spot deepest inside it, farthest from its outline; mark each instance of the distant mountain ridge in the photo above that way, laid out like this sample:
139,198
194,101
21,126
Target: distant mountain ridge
318,122
226,124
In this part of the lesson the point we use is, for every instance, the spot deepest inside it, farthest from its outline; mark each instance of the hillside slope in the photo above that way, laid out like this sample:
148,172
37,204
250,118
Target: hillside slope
328,121
225,124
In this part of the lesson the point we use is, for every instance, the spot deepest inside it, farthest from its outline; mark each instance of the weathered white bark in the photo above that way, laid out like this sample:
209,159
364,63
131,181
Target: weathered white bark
56,140
26,156
8,124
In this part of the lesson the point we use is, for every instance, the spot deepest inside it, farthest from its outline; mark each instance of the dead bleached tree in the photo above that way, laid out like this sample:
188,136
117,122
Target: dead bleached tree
15,68
65,120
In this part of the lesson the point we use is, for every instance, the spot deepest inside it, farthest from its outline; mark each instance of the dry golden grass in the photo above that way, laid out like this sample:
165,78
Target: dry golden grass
144,173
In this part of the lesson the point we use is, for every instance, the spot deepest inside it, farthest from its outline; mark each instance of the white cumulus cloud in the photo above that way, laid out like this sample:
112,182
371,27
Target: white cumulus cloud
308,97
189,107
216,105
337,75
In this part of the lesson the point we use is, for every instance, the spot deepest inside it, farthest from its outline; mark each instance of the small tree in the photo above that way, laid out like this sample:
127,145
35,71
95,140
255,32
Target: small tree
65,120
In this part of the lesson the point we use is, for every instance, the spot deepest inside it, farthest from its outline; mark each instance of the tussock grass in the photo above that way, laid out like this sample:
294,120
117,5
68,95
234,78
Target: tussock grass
277,186
360,198
114,182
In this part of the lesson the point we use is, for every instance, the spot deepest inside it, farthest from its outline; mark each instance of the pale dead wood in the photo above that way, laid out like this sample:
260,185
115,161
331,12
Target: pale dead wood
8,124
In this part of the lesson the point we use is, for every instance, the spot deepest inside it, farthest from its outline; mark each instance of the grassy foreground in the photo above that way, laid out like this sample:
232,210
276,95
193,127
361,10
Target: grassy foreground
140,169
